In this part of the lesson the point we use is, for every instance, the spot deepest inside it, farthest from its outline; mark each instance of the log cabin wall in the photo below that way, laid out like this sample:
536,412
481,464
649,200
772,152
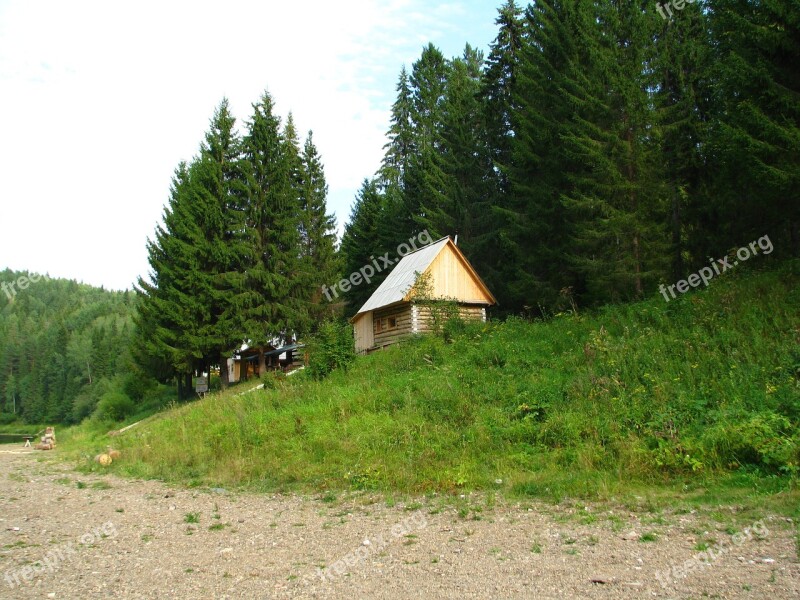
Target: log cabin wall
391,324
424,321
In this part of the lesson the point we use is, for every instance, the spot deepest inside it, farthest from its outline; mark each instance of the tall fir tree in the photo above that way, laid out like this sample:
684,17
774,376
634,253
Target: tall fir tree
318,232
361,244
467,161
619,245
534,231
170,310
756,136
499,83
274,307
426,185
682,111
400,147
219,204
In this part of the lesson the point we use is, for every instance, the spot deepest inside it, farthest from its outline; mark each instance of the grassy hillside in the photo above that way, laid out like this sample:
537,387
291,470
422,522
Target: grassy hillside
704,388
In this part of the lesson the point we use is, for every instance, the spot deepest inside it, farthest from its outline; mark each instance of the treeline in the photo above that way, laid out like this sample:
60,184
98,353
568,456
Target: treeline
245,247
65,351
598,149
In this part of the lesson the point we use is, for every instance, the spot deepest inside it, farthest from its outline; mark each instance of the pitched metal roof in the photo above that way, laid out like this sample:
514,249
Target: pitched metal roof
395,287
397,284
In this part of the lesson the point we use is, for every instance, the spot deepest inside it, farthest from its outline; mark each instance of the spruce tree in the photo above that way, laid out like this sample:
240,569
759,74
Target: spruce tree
425,191
681,62
170,309
219,204
361,245
400,147
619,240
467,162
499,80
274,307
755,145
535,233
318,232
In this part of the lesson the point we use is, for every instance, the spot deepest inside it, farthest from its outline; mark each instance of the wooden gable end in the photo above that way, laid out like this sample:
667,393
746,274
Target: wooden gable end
452,276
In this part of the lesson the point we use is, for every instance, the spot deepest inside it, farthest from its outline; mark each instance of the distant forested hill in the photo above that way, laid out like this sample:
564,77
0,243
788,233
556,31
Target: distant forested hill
64,346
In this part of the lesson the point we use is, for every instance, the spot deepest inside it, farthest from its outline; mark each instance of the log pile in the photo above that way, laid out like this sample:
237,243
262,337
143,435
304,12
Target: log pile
106,458
48,441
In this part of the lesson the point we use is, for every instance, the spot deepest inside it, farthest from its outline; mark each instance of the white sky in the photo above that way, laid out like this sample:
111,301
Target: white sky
99,101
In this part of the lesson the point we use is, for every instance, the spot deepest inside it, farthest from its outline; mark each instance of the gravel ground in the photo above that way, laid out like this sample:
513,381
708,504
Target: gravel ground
68,535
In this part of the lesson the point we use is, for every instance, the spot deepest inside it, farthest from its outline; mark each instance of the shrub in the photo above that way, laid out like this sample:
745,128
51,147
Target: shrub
7,418
332,348
136,385
115,406
762,439
86,401
271,379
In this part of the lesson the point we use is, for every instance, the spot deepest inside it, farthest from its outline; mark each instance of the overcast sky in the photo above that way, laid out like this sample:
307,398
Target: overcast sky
99,102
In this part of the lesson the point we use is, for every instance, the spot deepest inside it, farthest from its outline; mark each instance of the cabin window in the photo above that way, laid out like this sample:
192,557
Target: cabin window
385,324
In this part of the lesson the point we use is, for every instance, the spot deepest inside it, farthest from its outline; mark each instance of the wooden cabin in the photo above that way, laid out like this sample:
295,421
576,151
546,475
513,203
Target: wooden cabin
244,364
391,314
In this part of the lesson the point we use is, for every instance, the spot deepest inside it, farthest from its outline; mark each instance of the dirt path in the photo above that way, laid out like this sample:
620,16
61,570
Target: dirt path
68,535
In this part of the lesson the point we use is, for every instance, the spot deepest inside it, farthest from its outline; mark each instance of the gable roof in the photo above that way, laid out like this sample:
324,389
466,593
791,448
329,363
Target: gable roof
398,283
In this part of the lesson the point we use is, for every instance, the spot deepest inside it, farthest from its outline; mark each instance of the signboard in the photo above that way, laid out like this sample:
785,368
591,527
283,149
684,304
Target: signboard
201,385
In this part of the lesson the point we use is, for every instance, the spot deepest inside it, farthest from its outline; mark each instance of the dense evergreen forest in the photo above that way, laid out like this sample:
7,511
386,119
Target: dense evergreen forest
598,150
64,346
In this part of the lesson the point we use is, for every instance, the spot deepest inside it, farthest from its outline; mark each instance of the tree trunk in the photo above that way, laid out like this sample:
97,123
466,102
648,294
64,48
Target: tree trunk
262,362
677,257
223,372
184,385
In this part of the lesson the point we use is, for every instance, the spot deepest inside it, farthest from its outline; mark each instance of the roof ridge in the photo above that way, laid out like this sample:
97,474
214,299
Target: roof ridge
447,237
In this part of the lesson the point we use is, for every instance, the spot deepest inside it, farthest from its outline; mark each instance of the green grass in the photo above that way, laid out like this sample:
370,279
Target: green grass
692,402
192,517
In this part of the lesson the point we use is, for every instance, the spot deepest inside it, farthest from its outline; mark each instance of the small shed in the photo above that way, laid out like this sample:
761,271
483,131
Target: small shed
391,313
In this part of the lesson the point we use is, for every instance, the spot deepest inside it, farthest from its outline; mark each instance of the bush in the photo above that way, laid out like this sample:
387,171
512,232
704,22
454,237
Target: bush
763,440
271,379
332,348
136,385
7,418
85,403
157,397
115,406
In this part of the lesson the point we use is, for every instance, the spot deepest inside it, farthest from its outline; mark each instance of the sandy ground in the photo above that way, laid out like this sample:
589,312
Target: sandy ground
68,535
